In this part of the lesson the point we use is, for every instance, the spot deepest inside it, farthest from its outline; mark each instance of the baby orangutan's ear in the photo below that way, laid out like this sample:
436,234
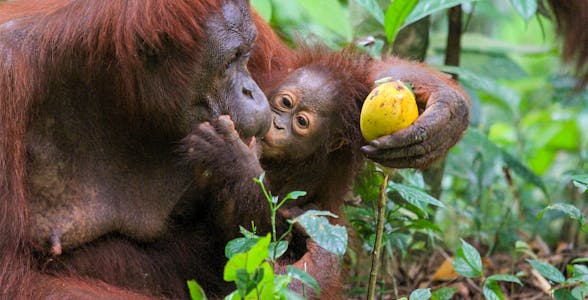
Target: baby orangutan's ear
337,143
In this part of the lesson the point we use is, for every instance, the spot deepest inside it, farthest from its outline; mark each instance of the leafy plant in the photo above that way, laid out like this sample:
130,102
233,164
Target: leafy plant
251,257
467,262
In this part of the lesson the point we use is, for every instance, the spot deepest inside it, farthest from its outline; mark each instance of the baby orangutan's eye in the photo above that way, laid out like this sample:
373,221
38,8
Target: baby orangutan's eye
287,102
302,121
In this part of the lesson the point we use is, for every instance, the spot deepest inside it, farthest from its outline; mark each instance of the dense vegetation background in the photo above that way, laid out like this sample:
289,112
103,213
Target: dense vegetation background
513,188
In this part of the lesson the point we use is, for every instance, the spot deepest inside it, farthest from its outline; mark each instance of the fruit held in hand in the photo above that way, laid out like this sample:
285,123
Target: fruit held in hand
388,108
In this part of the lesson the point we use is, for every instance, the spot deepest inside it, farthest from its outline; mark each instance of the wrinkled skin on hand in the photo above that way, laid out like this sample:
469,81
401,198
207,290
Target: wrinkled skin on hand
439,127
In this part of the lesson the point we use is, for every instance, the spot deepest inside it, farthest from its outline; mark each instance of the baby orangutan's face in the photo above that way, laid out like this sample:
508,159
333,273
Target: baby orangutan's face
302,111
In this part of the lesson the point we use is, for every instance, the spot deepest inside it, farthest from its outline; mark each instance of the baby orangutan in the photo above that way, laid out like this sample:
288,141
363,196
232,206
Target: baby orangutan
313,145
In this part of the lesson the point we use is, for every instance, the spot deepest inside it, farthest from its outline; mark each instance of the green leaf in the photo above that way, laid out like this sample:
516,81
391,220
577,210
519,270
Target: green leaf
304,277
279,248
330,14
373,8
425,8
294,195
444,293
415,196
467,261
580,260
525,8
394,17
332,238
491,290
233,296
196,291
420,294
580,292
239,245
548,271
264,8
564,294
568,209
504,277
248,261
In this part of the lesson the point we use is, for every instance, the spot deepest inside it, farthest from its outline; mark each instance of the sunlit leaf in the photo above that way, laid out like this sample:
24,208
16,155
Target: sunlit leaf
548,271
467,261
328,13
196,291
394,17
420,294
525,8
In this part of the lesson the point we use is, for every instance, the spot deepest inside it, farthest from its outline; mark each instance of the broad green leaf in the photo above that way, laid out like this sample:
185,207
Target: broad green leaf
580,292
373,8
444,293
332,238
264,8
258,253
248,261
420,294
239,245
504,277
394,17
304,277
467,261
196,291
525,8
415,196
568,209
330,14
548,271
237,262
491,290
279,248
425,8
266,284
564,294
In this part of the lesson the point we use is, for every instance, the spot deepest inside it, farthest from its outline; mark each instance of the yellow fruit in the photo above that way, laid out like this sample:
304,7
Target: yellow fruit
388,108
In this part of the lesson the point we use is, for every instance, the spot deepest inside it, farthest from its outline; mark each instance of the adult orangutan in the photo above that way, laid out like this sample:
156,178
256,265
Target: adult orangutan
95,96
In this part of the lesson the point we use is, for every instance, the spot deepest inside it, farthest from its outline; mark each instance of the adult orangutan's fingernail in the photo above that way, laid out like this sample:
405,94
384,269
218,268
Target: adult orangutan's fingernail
368,149
375,143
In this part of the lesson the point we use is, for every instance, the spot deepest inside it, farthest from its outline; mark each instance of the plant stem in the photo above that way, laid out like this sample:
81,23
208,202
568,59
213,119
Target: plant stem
378,243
